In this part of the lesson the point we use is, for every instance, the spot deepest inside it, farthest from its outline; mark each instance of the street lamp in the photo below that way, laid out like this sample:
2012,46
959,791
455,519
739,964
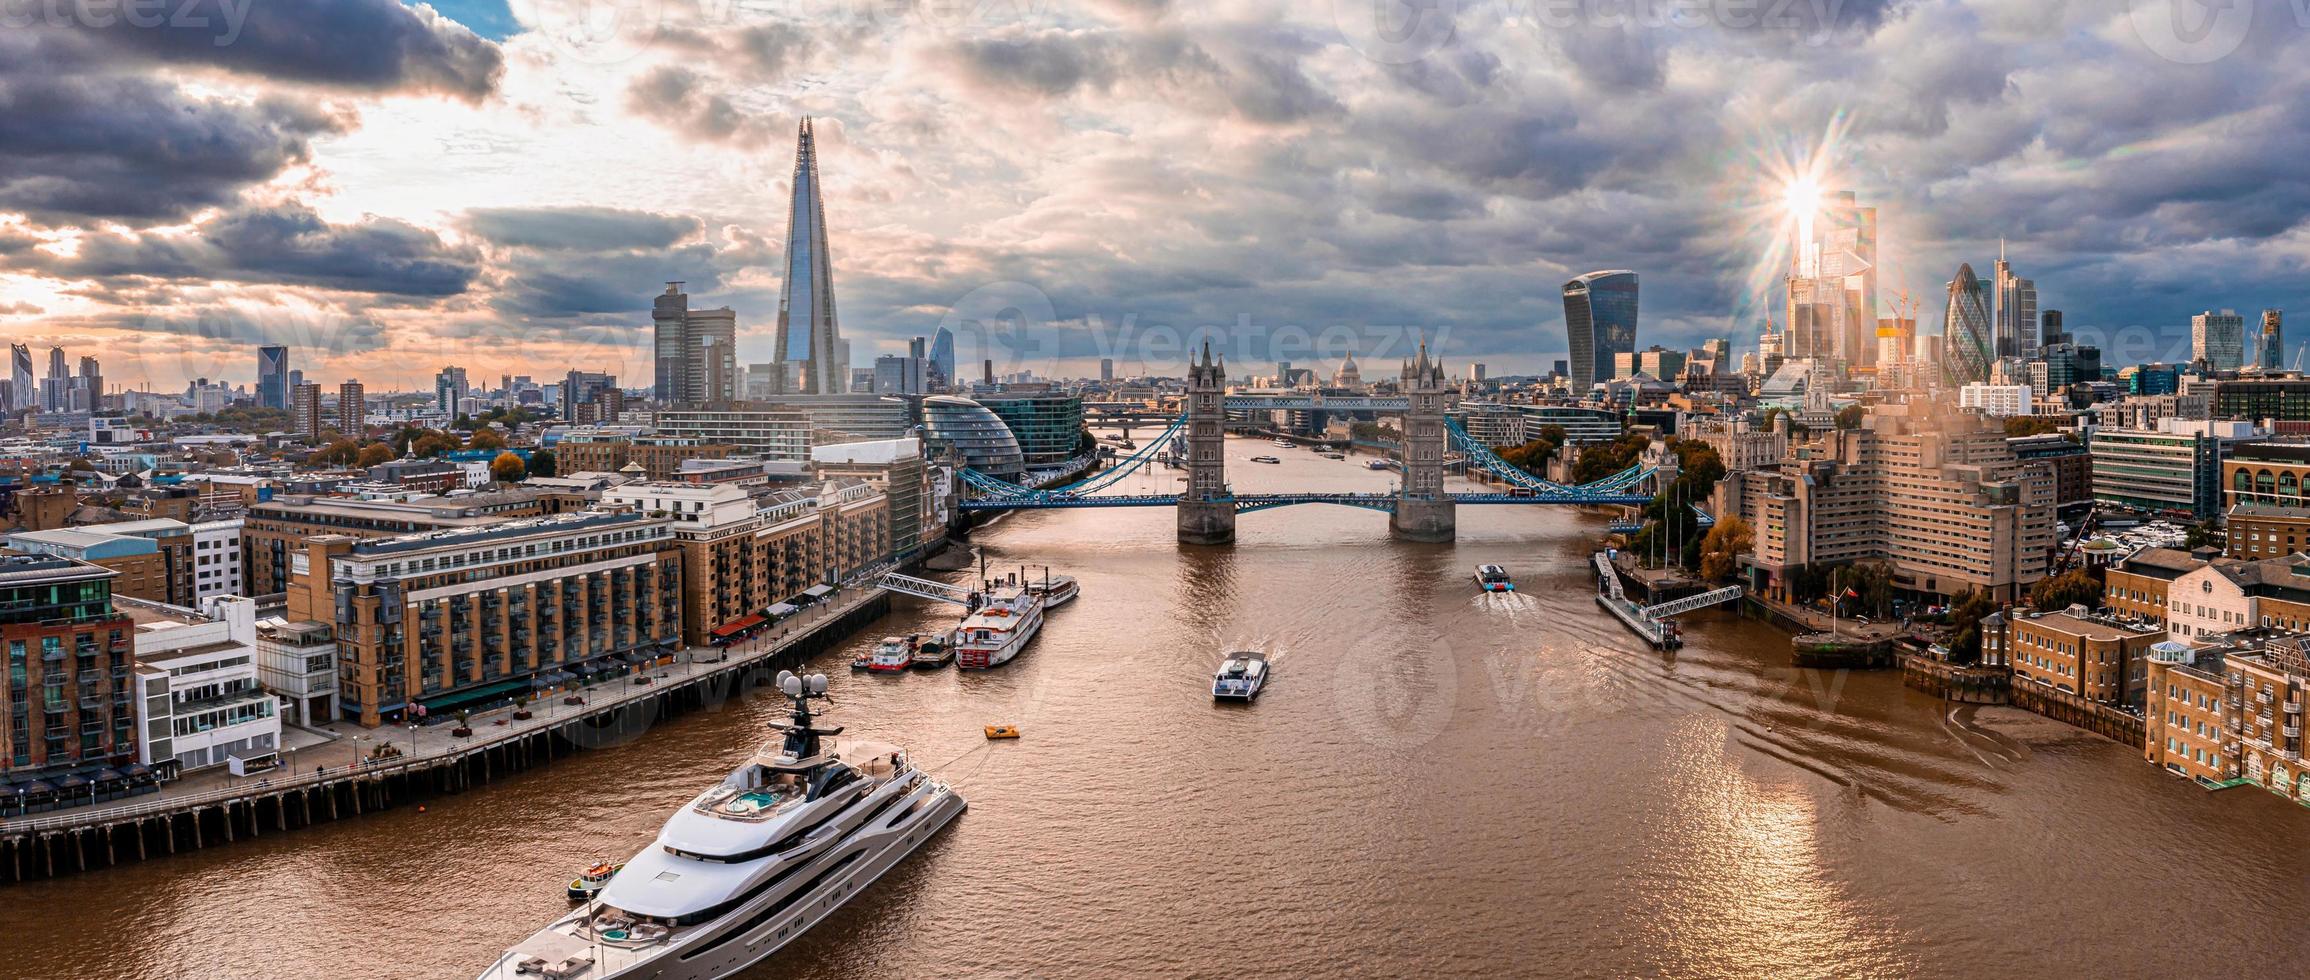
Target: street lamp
355,742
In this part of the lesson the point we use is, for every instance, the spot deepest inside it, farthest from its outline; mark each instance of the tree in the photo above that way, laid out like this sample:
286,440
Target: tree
506,468
541,463
373,454
485,439
338,453
2017,426
2077,587
2202,535
1849,417
1965,613
433,444
1722,548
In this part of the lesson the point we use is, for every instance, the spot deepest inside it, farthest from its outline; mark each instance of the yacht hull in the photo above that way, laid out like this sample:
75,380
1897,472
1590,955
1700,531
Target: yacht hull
759,928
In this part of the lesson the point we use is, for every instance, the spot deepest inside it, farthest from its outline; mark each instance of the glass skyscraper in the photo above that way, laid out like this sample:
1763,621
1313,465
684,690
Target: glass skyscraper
1049,428
967,427
1967,348
942,356
2219,339
272,376
1599,323
808,340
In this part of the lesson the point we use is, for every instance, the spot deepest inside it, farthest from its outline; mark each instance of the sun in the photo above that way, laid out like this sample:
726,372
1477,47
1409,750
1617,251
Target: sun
1802,197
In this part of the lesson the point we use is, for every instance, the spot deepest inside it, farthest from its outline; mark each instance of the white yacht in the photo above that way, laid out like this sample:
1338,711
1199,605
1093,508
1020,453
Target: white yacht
1282,443
750,864
998,629
1239,677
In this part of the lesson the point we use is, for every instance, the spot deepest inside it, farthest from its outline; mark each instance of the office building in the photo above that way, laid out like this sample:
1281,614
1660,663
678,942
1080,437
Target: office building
2014,310
2281,403
352,409
450,389
427,624
696,351
214,711
1048,426
2218,340
2270,352
1599,324
298,663
2102,659
895,467
1967,344
2174,468
305,412
1832,284
659,457
773,433
216,550
70,659
274,530
590,398
273,376
1655,361
942,358
2071,462
966,428
23,393
1996,401
809,341
1107,370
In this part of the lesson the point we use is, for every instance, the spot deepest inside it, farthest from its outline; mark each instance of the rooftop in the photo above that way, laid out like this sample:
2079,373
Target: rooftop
499,531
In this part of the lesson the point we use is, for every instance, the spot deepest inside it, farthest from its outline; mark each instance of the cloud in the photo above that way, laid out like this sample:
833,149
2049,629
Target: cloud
283,244
372,46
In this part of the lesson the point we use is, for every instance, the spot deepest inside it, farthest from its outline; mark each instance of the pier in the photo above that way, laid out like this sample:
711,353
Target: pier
1650,622
186,817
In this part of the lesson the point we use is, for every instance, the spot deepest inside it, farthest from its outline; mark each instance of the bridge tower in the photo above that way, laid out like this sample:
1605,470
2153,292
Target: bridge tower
1207,508
1423,511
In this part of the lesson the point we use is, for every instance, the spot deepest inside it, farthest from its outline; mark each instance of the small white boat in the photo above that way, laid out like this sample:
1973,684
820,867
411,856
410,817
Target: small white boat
1284,443
1056,591
1239,677
1265,459
1494,579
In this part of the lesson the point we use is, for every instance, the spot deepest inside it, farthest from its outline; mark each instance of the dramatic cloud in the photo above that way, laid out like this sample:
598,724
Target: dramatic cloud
1127,172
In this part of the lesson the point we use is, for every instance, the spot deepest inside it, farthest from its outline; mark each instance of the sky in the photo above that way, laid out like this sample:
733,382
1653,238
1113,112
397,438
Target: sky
391,188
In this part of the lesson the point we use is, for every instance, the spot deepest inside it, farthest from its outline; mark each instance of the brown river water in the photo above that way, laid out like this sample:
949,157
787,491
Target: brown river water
1436,783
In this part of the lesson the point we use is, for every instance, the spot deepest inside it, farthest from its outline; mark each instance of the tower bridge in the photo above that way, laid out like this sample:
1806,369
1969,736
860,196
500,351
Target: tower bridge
1419,509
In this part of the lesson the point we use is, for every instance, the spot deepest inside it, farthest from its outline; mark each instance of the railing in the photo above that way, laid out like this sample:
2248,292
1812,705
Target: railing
1689,603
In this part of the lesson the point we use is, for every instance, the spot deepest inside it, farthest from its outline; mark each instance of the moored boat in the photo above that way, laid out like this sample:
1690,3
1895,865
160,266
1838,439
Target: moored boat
1002,624
589,882
1056,591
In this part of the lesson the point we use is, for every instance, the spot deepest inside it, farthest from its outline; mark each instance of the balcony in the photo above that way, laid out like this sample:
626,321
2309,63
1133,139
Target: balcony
53,655
2262,695
2293,707
2292,731
91,702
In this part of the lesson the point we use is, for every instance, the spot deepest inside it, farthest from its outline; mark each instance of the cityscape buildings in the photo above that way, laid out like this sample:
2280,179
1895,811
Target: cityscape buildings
273,376
1967,345
697,351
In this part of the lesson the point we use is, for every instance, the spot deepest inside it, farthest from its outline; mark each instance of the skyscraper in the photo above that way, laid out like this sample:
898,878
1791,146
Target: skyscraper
697,351
2049,328
449,390
352,409
1967,347
582,393
1832,285
56,388
2272,352
2219,339
305,411
88,389
942,356
22,393
272,376
2014,310
808,336
1599,322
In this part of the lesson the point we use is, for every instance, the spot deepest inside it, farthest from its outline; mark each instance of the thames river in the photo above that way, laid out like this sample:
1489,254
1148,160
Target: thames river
1437,783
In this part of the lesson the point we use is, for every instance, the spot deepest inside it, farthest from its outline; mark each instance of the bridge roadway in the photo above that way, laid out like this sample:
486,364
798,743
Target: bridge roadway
1246,503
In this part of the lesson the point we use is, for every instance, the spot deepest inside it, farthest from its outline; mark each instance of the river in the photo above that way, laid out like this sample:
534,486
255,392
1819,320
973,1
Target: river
1437,783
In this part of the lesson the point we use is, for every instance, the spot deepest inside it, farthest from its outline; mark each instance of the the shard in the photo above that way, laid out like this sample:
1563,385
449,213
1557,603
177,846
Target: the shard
809,348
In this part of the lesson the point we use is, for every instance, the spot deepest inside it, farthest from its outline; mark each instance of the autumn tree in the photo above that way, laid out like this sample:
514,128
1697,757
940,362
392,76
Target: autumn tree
373,454
485,439
2077,587
338,453
1722,548
507,468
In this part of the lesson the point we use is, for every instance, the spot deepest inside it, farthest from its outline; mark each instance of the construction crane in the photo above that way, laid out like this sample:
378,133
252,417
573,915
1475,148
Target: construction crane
2298,354
2070,551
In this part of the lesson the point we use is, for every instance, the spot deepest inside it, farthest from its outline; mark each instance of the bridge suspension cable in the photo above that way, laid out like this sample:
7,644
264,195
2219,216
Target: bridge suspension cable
1126,466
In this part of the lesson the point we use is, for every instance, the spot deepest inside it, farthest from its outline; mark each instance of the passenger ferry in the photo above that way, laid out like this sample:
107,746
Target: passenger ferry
1494,579
1375,464
1005,620
1281,443
1056,590
751,864
1239,678
892,655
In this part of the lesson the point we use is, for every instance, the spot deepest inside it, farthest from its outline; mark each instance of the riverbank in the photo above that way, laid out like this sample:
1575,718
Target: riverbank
214,807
